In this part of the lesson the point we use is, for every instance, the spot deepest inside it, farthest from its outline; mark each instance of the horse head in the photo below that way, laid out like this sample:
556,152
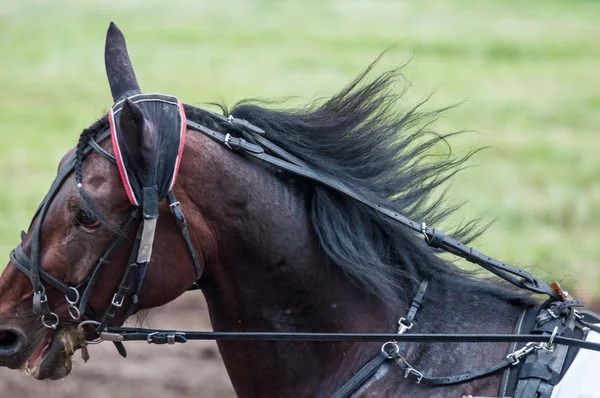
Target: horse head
77,249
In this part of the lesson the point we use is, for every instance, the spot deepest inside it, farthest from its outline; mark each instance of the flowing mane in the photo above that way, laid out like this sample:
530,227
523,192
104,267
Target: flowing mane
360,138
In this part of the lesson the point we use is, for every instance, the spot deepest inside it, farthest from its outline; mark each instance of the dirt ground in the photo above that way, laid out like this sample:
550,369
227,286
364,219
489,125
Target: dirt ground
150,371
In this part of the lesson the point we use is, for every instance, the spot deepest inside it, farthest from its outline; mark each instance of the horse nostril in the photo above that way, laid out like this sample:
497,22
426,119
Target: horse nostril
9,341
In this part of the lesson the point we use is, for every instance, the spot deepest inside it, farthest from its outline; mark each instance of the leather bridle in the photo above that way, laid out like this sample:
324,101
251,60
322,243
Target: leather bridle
252,143
78,303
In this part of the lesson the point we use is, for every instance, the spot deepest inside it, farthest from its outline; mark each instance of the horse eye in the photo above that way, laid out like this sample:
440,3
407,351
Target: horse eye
86,219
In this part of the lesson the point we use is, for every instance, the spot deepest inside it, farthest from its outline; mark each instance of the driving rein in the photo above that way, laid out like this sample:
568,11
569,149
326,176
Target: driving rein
555,322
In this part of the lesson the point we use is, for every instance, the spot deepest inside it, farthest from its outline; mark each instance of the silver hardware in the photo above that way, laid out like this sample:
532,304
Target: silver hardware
174,204
516,356
149,337
403,327
227,139
116,302
577,314
552,314
424,231
230,119
415,372
73,310
171,338
94,323
394,346
105,336
48,324
549,346
44,298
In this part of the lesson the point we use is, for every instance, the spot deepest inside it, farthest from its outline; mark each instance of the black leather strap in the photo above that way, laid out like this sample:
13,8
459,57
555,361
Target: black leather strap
433,236
233,143
360,377
418,377
116,243
182,224
415,305
119,297
92,142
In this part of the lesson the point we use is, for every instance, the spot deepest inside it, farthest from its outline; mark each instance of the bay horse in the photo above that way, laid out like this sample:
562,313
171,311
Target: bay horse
270,250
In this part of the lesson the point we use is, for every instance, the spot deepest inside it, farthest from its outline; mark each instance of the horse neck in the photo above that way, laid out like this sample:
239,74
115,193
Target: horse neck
270,274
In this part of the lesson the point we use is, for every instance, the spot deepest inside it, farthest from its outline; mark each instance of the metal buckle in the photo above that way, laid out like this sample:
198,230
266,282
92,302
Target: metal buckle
227,139
150,337
415,372
174,205
163,337
115,300
552,314
171,338
424,232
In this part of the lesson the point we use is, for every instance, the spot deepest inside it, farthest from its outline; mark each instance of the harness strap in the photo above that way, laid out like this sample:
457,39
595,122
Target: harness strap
233,143
416,302
107,256
508,272
92,142
182,224
360,377
368,370
418,377
23,263
119,297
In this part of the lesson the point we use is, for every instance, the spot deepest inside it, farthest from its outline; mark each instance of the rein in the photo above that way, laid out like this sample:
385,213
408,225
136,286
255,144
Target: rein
253,144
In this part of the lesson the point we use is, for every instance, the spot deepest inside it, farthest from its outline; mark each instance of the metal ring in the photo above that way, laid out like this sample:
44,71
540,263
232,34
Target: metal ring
549,346
85,323
72,302
393,344
48,324
74,312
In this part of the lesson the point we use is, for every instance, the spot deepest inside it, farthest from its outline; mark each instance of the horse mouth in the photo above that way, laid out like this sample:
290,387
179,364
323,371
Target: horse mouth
52,358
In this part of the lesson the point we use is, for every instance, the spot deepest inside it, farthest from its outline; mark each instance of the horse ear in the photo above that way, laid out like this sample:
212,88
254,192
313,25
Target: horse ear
121,76
141,144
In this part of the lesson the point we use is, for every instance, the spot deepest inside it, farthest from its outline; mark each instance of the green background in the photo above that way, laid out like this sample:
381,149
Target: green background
526,76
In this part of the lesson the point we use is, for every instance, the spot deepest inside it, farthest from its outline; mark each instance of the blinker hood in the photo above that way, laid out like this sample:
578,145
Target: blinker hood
148,182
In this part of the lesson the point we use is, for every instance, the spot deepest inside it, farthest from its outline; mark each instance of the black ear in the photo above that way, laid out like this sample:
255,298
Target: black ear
141,142
121,76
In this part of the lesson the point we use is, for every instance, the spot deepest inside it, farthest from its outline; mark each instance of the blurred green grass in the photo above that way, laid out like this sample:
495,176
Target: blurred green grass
524,72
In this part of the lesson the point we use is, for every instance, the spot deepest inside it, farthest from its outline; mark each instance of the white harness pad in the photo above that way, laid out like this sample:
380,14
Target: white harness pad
582,379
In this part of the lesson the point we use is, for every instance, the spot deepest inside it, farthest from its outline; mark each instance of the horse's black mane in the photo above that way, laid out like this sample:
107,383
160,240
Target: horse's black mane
360,138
